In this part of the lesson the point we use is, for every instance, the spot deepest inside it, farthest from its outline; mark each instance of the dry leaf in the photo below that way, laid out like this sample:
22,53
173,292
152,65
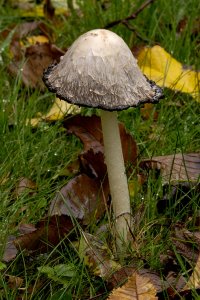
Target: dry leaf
41,8
161,67
49,232
31,54
14,282
88,129
97,256
194,280
10,250
25,185
176,167
33,63
82,198
58,111
138,287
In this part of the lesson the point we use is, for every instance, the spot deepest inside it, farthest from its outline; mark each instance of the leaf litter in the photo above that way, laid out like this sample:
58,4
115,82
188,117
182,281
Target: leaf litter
85,199
86,196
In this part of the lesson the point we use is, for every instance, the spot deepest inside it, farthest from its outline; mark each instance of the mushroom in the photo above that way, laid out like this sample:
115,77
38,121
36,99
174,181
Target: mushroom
100,71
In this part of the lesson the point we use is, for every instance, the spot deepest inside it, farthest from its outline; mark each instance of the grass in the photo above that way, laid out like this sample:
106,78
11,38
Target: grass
42,154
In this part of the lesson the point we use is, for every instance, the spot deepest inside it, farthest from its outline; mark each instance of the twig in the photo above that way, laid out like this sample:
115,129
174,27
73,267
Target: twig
132,28
132,16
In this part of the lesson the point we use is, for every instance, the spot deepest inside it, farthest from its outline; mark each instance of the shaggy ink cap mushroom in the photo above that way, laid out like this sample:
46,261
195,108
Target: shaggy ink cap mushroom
99,70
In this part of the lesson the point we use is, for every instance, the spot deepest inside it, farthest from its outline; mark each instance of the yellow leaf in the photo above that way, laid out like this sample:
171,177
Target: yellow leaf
32,40
138,287
35,11
194,280
58,110
37,39
159,66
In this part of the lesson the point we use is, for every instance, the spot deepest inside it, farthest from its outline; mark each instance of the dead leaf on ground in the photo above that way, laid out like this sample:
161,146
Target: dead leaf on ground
89,130
14,282
25,185
97,255
184,240
137,287
121,275
161,67
48,9
58,111
187,244
81,198
49,232
194,280
176,167
30,60
35,60
10,250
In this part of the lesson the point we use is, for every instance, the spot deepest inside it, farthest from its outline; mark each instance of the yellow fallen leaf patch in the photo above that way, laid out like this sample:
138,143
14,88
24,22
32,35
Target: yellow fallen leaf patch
58,110
159,66
137,288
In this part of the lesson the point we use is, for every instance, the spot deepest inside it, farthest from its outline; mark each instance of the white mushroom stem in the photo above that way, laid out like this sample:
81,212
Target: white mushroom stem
116,175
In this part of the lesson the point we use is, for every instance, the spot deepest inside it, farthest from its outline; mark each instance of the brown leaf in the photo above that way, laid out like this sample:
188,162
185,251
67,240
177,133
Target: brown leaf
184,240
148,110
176,167
35,60
26,228
92,163
49,232
82,198
30,60
138,287
97,256
120,276
14,282
10,251
89,130
25,185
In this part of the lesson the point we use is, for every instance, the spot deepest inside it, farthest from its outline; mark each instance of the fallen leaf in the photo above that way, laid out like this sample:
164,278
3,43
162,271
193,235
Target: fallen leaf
176,167
26,228
10,250
34,61
49,232
89,130
184,240
58,111
194,280
82,198
97,255
120,276
161,67
137,287
190,238
31,51
34,39
25,185
14,282
48,9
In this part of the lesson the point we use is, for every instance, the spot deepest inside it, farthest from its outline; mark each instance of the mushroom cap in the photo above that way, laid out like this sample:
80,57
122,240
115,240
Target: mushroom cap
99,70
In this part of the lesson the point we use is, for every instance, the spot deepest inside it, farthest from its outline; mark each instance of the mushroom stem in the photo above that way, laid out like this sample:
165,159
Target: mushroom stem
116,175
